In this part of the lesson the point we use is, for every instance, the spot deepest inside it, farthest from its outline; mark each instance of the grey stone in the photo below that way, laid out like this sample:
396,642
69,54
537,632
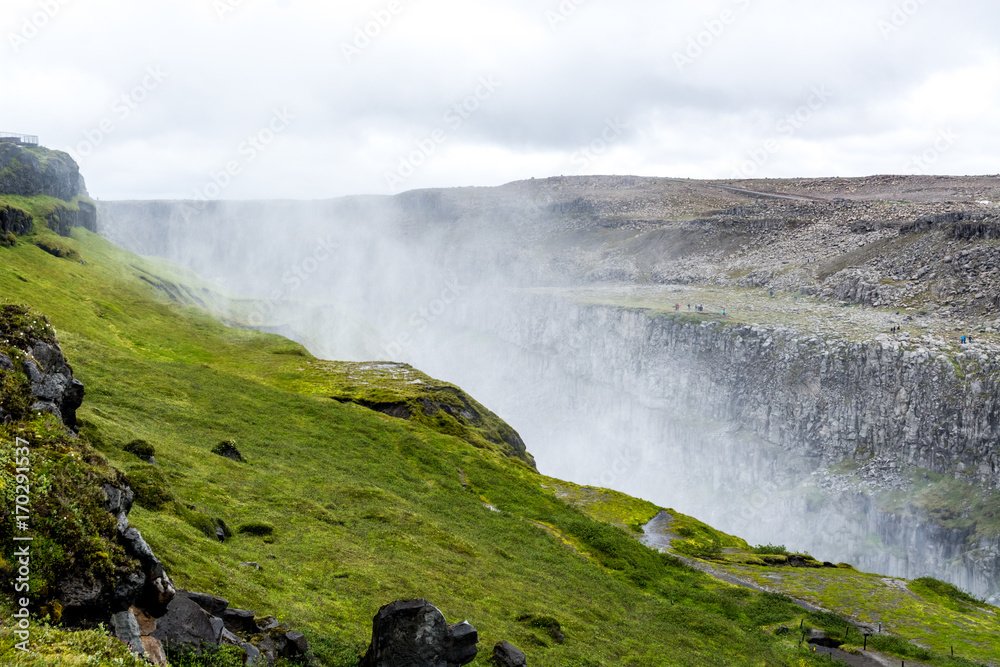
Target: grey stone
294,645
5,363
240,620
506,654
186,623
213,604
414,632
127,630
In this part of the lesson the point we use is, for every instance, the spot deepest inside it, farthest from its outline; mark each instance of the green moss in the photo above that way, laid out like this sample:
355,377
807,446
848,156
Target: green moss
140,448
255,528
151,489
57,249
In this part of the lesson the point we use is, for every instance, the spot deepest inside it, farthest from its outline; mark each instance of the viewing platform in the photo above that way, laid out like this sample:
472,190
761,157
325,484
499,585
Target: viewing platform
19,139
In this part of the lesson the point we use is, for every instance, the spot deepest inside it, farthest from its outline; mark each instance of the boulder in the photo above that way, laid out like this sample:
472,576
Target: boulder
127,630
214,605
292,645
506,654
186,623
415,632
5,363
53,386
240,620
159,588
154,651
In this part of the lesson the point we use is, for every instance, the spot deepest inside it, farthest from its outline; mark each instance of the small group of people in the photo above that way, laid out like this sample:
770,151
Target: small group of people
895,329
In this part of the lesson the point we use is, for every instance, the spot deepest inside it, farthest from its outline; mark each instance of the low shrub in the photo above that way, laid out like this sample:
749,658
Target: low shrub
256,528
206,656
151,490
773,549
140,448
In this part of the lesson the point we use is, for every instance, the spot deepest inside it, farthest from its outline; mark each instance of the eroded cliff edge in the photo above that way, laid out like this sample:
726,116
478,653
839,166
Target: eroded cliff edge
880,452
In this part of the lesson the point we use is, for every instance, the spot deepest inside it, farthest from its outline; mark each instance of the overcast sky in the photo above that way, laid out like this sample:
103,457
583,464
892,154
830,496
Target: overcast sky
311,99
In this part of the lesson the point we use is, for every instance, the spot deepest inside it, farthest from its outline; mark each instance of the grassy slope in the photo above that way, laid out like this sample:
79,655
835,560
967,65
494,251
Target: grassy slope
367,508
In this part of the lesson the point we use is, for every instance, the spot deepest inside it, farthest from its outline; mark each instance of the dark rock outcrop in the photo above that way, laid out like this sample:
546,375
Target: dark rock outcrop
214,605
415,632
240,620
63,220
53,386
506,654
186,623
34,171
151,588
14,220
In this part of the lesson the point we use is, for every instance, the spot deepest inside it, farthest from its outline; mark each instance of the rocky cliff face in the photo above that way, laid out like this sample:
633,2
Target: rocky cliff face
825,443
33,171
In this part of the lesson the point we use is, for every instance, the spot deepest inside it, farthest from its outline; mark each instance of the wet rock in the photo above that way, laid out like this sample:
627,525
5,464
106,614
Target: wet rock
506,654
414,632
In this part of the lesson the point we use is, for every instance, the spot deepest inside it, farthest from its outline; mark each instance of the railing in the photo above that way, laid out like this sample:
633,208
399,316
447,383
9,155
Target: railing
15,138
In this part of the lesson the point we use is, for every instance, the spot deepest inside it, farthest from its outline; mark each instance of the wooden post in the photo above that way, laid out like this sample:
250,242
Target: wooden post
866,641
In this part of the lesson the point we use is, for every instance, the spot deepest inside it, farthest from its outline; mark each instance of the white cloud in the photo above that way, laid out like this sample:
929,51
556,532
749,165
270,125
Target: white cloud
560,86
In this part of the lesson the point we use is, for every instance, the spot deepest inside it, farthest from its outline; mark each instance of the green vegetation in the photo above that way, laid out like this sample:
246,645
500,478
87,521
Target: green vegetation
919,618
57,249
770,549
140,448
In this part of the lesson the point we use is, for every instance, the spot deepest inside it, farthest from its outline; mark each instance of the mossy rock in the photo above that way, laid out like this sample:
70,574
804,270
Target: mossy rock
548,624
57,250
228,449
8,240
141,448
151,489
